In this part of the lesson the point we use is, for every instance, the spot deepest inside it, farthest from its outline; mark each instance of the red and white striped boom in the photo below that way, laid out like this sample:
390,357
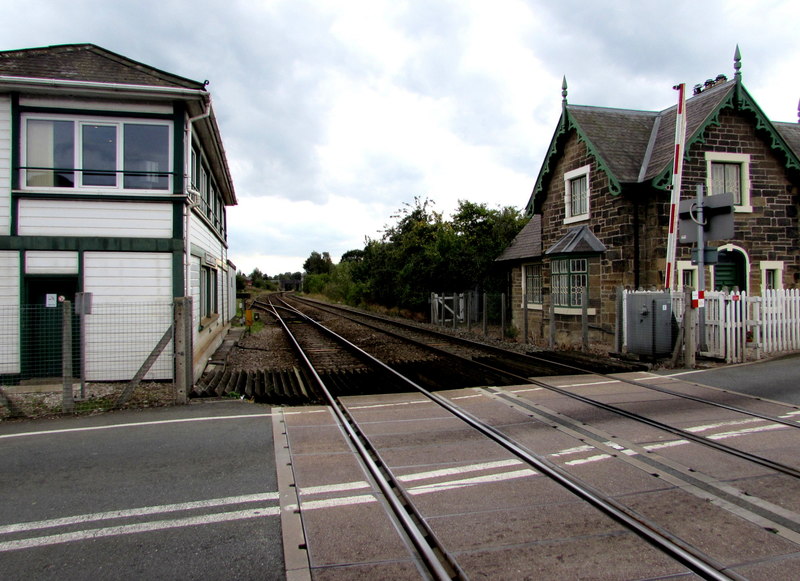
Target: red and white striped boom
677,172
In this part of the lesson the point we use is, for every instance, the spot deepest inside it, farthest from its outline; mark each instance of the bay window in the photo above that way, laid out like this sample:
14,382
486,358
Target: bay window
569,278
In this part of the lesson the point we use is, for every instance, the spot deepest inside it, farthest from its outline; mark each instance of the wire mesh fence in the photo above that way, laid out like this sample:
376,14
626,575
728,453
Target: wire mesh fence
56,358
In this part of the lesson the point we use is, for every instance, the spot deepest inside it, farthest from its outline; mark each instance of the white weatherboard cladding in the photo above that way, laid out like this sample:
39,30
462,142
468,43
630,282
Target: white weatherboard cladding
5,165
9,312
51,262
38,217
131,310
203,237
194,277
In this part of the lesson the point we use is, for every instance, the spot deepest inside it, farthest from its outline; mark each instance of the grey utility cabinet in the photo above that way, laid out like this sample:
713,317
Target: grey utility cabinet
649,323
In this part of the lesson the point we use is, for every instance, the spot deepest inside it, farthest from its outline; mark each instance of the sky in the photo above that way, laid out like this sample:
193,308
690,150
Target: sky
335,114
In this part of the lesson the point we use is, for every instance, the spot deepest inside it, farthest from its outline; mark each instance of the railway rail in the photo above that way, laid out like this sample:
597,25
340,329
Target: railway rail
439,563
773,516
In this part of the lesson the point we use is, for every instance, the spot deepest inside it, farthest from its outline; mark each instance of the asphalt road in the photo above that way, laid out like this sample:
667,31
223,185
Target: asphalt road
171,493
777,379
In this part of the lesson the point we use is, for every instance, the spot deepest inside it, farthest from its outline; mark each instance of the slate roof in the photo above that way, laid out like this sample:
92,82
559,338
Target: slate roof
527,243
791,134
87,62
638,146
622,136
577,240
698,110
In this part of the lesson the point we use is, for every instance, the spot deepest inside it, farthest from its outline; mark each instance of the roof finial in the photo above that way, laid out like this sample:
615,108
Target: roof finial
564,91
737,63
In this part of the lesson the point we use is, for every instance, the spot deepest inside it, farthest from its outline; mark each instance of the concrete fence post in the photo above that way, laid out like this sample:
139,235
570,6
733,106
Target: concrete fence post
67,398
184,349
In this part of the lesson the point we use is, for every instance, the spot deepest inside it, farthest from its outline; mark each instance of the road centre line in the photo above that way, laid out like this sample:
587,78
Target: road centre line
134,425
138,528
133,512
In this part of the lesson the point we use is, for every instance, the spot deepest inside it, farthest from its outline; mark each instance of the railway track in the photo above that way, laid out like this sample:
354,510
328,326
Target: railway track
693,485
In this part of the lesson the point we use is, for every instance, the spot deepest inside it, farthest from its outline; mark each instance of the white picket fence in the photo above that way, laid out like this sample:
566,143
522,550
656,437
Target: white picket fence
739,327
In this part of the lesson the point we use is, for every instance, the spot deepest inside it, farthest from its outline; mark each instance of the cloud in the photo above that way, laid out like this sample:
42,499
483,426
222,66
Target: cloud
335,114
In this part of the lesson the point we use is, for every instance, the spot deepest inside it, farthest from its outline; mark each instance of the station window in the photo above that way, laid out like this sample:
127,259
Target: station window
96,153
569,278
771,274
208,292
729,173
533,283
576,195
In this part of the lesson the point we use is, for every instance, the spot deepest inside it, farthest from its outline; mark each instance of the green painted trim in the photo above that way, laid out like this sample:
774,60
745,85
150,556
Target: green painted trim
96,112
178,147
745,102
177,273
95,244
165,198
15,142
613,183
80,272
21,277
561,129
738,100
566,124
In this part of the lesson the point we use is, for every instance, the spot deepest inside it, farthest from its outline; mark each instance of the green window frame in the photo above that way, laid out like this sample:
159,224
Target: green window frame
569,277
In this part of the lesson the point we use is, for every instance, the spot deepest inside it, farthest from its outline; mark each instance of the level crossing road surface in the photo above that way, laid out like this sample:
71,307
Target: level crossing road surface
500,519
777,379
186,492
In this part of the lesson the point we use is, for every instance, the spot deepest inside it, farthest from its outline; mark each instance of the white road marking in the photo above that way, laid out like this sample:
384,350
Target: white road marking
570,451
389,405
138,528
464,482
588,460
133,512
706,427
343,487
747,431
332,502
134,425
589,384
458,470
670,444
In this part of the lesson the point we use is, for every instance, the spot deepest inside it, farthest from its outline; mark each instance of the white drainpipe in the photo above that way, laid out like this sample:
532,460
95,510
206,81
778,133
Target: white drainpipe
187,284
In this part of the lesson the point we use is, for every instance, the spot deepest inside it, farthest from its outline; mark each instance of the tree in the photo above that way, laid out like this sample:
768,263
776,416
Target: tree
483,234
420,253
241,281
318,263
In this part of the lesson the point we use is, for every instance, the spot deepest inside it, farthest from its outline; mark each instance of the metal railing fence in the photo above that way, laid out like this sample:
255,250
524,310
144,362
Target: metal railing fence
483,313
